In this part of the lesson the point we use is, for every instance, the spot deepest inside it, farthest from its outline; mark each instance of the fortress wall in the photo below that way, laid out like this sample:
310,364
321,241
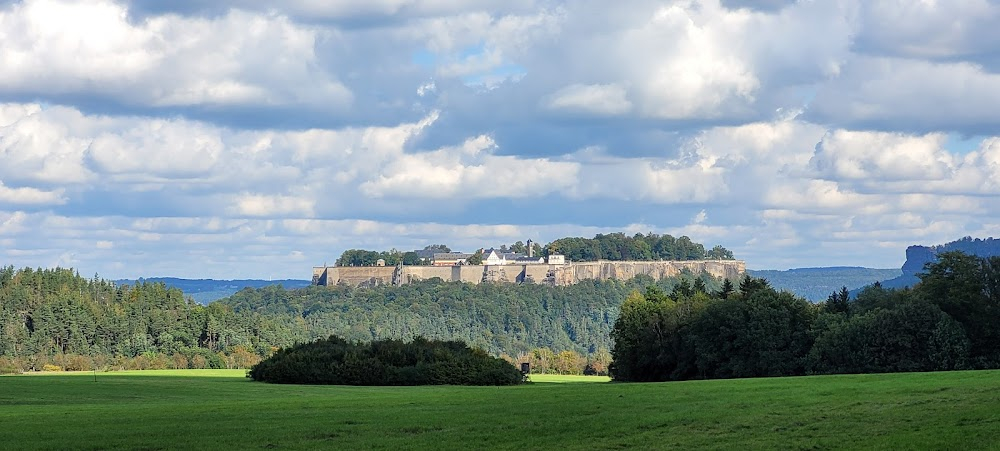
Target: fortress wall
415,273
535,273
571,273
361,275
325,275
470,274
502,273
560,275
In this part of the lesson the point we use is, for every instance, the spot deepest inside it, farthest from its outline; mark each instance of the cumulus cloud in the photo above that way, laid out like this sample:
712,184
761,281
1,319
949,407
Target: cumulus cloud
469,171
910,95
44,147
884,156
271,206
701,77
57,47
936,30
606,100
216,133
179,149
29,196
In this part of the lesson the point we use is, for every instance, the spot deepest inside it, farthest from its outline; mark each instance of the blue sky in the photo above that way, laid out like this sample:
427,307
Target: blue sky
237,138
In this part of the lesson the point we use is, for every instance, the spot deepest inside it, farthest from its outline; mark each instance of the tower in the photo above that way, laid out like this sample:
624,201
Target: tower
531,252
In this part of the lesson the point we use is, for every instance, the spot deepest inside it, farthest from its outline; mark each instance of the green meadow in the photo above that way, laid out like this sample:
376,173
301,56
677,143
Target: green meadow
215,409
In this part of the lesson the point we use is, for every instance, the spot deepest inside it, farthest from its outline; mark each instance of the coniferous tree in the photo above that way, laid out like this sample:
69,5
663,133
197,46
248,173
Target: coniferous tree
726,290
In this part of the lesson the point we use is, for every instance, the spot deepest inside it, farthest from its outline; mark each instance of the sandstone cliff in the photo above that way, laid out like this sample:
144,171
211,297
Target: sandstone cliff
555,275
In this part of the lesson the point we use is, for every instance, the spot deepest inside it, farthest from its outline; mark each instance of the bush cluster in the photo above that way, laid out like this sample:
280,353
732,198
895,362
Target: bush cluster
951,320
386,362
187,358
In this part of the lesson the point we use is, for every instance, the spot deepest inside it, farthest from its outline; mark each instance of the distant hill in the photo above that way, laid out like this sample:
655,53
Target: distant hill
204,291
918,256
816,284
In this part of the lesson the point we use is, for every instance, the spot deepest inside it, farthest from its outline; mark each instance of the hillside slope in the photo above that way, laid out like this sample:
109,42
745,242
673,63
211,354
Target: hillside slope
816,284
204,291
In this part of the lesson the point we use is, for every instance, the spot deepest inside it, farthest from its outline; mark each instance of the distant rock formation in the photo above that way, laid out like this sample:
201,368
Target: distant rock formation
918,256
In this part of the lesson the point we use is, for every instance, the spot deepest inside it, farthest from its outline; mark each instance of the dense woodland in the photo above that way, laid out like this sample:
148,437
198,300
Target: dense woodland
57,318
686,328
951,320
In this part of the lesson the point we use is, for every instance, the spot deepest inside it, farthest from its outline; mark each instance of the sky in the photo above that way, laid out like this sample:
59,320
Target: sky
239,139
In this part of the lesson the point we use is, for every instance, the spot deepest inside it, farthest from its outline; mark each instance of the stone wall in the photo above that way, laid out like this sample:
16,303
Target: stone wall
558,275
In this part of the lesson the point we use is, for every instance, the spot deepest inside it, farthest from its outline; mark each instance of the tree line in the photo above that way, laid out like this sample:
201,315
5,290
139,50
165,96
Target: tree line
499,318
57,318
689,327
618,246
950,320
612,246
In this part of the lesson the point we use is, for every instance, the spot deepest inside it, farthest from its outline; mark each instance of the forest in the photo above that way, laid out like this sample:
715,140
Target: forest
56,318
690,327
950,320
611,246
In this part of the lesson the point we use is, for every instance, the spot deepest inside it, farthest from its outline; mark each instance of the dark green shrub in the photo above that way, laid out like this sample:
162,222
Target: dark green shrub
914,336
386,362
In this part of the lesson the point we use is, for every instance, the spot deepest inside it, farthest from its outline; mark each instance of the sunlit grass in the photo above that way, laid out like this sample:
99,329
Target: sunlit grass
559,379
223,410
173,373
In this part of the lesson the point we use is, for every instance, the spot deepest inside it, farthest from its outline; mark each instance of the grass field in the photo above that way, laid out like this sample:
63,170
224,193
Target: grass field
222,410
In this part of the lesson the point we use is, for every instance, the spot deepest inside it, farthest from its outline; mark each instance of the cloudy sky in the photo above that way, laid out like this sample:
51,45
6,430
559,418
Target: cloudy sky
236,139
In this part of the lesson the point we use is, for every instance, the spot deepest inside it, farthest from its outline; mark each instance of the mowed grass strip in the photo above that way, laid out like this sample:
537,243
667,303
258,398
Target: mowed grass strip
202,410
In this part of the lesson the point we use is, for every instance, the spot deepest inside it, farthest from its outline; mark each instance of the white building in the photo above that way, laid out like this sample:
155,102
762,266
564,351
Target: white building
493,257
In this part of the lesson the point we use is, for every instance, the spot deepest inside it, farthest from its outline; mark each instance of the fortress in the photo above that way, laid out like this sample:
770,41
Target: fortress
548,274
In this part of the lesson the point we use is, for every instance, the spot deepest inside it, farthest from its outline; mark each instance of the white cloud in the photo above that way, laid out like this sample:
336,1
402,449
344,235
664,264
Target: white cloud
882,156
910,95
233,132
12,222
178,149
44,146
272,206
469,171
30,196
13,112
61,47
426,89
697,75
823,196
929,29
606,100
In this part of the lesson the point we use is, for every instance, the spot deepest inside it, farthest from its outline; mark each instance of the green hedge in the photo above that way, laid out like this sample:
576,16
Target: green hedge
386,362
